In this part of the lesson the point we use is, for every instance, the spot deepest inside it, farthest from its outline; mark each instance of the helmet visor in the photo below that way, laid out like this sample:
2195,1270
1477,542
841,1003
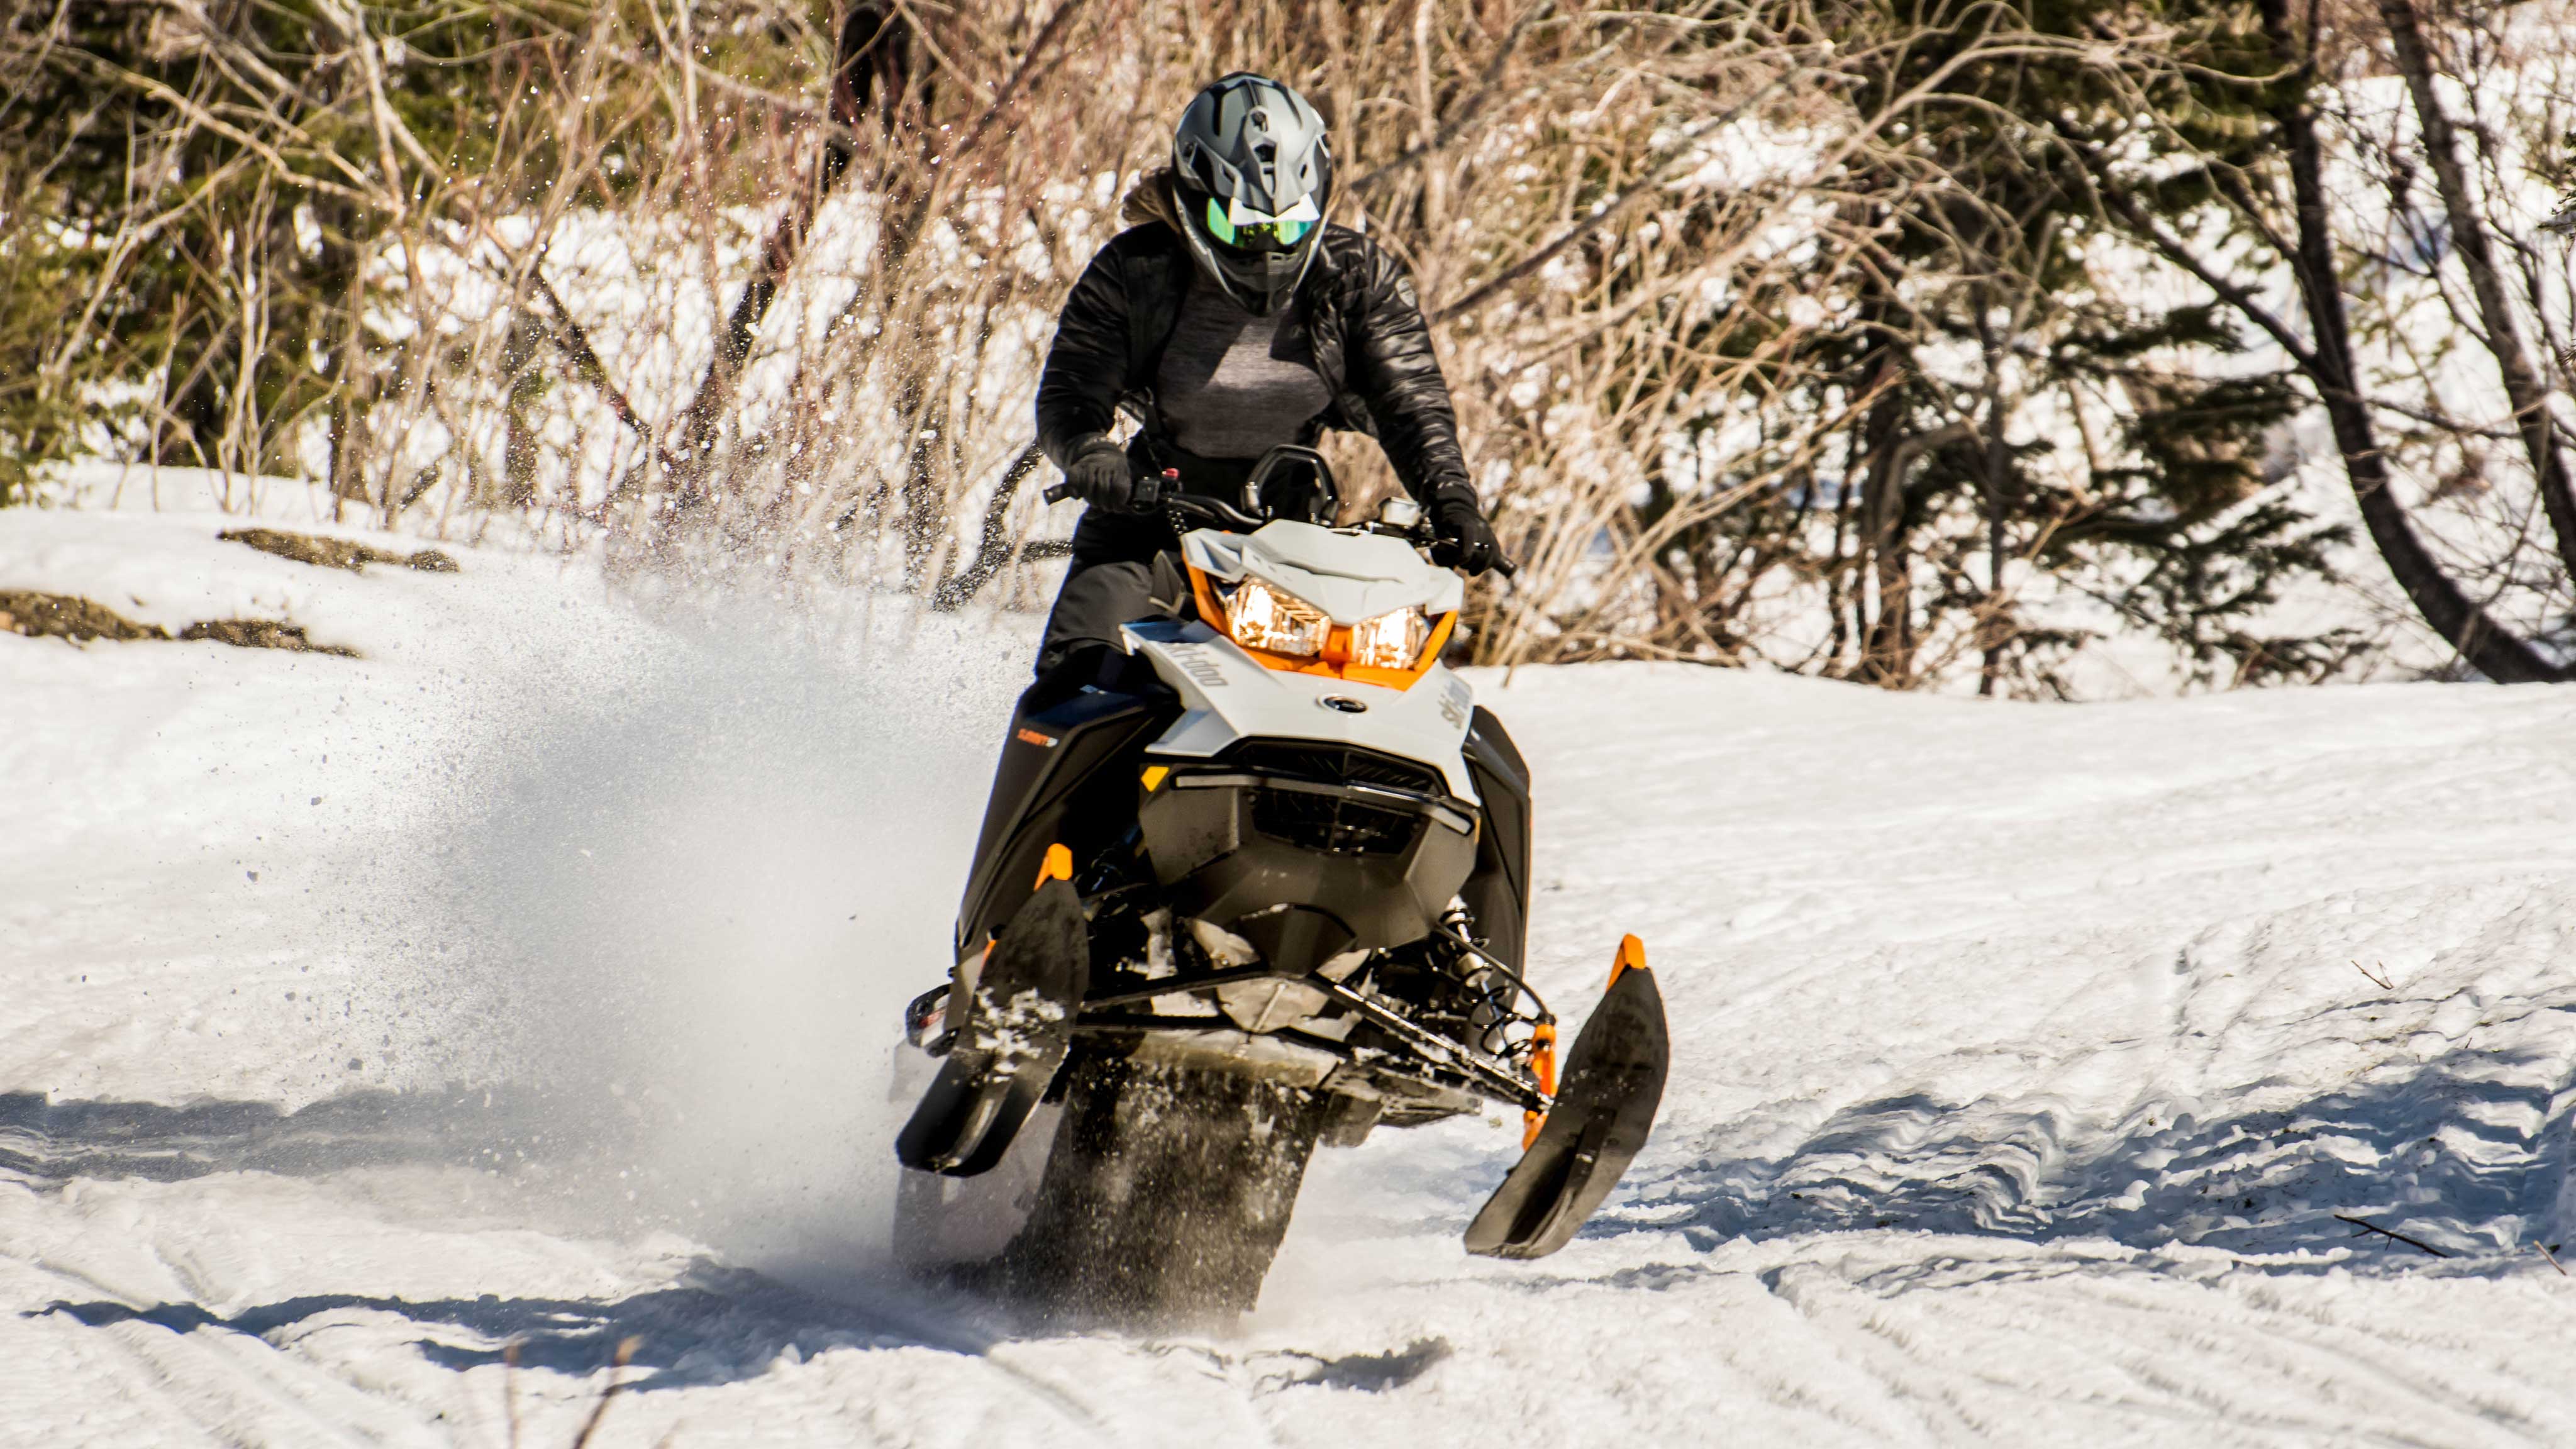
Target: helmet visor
1233,224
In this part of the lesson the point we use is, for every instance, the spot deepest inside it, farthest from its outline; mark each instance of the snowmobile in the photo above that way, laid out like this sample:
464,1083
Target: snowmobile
1257,883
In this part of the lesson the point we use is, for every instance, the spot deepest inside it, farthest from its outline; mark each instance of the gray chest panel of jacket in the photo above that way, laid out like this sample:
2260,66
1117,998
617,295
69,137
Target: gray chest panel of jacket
1233,385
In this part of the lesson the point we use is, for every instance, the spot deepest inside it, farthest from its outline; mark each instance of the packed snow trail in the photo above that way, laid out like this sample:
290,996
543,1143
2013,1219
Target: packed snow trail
529,980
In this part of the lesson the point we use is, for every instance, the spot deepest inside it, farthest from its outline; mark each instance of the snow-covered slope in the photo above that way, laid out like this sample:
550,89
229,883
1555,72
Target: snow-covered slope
528,979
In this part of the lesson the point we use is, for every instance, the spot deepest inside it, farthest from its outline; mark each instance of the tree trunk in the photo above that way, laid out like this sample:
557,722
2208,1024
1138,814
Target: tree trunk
1886,642
1994,630
521,389
875,60
2487,646
343,264
2522,386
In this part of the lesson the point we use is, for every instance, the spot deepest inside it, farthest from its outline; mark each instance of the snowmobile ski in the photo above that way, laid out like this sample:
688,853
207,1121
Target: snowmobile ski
1018,1023
1613,1082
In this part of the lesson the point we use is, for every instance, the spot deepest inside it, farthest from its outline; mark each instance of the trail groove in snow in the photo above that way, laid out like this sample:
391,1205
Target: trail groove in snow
529,980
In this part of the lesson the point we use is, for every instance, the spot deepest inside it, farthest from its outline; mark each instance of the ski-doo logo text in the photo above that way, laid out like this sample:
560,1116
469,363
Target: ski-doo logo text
1194,662
1453,703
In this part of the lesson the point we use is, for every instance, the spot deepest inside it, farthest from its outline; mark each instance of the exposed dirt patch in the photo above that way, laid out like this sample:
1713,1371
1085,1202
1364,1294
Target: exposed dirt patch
66,616
262,634
335,553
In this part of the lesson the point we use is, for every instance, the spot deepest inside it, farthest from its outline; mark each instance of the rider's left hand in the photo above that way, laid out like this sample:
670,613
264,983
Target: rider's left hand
1461,538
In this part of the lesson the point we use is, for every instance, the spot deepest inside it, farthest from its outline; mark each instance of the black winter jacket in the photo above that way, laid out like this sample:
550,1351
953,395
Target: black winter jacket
1356,308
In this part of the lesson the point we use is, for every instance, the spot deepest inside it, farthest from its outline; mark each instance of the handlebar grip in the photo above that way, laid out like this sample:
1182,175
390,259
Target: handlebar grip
1058,492
1505,567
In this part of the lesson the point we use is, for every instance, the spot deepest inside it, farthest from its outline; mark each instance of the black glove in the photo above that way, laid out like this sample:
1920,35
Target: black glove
1461,539
1101,476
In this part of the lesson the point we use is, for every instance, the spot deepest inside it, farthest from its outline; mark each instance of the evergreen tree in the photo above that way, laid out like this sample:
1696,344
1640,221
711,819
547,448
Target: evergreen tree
2016,404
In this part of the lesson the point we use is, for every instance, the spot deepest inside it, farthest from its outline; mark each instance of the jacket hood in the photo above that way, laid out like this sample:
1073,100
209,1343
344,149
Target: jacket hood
1150,200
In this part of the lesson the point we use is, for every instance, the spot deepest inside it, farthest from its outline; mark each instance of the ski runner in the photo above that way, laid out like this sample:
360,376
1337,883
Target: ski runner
1233,316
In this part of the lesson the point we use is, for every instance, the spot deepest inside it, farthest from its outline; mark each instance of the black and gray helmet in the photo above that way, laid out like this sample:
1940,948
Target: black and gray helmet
1252,178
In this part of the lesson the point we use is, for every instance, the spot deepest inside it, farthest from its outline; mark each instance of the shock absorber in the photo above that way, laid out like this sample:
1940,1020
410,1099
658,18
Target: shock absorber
1499,990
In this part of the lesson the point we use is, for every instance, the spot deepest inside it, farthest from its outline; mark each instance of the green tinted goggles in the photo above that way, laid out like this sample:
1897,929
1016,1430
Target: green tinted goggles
1240,226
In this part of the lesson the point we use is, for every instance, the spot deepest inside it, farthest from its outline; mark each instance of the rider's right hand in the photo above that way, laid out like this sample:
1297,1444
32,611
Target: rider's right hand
1103,477
1461,538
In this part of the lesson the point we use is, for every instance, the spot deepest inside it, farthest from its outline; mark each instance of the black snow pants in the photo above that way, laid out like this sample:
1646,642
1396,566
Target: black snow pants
1111,582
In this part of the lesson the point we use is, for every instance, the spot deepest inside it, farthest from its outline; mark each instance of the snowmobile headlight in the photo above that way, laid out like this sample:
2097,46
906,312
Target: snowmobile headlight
1261,617
1391,640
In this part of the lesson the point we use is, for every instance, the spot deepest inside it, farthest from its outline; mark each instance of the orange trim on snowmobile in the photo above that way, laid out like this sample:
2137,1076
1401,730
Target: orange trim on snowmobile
1058,865
1334,662
1211,613
1543,1067
1632,957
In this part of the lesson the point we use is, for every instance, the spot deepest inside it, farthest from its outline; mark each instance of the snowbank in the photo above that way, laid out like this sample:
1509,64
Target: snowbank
110,487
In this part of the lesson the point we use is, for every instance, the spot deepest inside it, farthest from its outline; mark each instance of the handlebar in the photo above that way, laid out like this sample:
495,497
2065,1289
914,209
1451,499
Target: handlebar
1211,510
1422,535
1221,514
1195,506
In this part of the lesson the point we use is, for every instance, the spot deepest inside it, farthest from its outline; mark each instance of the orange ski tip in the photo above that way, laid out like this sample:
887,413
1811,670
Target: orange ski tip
1632,957
1058,866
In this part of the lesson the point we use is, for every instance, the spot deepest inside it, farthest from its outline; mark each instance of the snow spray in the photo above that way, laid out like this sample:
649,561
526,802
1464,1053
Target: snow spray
694,887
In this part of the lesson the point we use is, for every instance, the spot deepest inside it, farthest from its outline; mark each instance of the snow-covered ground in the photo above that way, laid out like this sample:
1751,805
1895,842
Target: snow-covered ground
530,979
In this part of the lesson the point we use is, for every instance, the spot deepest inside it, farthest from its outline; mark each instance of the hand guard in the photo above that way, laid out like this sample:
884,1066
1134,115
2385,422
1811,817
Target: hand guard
1461,538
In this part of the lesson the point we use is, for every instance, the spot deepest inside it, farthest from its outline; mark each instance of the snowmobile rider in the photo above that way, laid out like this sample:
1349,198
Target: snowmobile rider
1233,316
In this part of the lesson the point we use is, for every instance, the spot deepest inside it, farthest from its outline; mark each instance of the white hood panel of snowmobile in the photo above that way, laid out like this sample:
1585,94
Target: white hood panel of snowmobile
1351,577
1227,696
